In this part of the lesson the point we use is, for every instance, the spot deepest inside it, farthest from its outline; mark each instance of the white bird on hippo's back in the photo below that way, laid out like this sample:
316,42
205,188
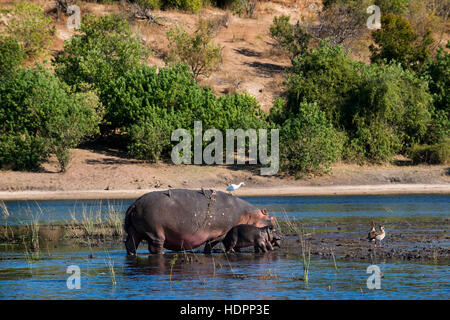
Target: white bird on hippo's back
234,187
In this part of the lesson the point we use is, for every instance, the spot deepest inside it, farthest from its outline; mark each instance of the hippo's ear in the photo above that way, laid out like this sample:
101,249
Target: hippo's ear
264,212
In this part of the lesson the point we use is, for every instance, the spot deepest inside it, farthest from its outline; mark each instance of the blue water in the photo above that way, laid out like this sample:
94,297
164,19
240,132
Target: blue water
275,275
438,206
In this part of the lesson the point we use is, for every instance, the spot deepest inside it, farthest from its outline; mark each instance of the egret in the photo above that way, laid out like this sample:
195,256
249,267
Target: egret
234,187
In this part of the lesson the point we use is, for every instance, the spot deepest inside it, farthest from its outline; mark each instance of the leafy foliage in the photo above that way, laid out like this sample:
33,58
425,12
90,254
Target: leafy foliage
396,40
431,154
196,50
438,71
11,55
148,105
30,27
104,49
309,143
40,117
292,38
325,75
187,5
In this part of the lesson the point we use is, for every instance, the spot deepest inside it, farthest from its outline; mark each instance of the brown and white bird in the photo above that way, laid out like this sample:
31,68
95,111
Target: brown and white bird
375,235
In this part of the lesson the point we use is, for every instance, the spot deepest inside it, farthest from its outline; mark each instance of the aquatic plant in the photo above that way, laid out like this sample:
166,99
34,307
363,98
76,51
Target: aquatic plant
5,226
110,264
334,259
172,263
269,275
306,256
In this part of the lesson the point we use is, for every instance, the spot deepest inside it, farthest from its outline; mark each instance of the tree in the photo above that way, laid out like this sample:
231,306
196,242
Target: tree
292,38
39,117
196,50
104,49
325,75
392,112
309,143
141,9
11,55
30,27
396,40
342,21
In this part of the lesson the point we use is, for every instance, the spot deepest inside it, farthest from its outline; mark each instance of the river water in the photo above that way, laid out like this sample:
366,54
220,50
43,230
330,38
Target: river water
107,273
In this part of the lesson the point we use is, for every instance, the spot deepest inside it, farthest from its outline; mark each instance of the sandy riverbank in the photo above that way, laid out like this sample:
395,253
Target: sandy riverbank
109,174
281,191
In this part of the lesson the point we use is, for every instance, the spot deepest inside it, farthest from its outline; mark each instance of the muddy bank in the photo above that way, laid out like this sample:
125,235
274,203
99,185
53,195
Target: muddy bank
426,240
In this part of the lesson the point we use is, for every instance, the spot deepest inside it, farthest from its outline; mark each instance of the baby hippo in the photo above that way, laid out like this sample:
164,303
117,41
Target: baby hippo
246,235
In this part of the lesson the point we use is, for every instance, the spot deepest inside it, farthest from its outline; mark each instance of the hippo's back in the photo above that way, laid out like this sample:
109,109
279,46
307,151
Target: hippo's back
181,210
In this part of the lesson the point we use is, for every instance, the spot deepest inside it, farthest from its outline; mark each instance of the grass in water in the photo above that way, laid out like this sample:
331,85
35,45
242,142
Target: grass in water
172,263
110,264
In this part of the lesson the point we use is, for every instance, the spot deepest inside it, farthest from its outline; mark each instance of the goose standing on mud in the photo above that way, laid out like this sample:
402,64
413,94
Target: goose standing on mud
375,235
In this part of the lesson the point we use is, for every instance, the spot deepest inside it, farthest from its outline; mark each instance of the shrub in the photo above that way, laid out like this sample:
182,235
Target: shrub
147,106
308,142
431,154
396,40
104,49
30,27
292,38
40,117
11,55
187,5
392,6
148,4
341,21
196,50
327,76
244,8
373,141
438,71
148,141
396,99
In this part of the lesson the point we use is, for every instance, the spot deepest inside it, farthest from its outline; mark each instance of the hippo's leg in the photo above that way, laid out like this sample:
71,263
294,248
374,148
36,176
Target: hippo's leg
132,241
209,245
155,243
262,246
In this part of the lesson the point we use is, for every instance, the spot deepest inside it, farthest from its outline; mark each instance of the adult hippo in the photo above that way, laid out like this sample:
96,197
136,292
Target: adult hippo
181,219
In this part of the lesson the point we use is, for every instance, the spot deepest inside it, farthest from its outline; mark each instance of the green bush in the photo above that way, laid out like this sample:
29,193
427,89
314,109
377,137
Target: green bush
11,55
431,154
104,49
438,73
148,141
146,105
325,75
187,5
396,40
30,27
148,4
196,50
383,109
308,142
373,141
39,117
393,98
392,6
292,38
